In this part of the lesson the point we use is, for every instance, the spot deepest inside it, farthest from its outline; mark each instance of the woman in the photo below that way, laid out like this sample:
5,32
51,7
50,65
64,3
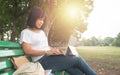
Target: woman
35,43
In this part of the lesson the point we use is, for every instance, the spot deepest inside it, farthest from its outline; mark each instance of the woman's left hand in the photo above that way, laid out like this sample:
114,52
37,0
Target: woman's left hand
53,51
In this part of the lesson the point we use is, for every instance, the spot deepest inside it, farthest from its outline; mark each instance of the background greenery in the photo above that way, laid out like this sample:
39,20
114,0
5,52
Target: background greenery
59,26
14,13
93,41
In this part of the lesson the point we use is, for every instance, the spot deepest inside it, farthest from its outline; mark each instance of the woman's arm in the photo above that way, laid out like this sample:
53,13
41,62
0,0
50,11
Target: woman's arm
29,51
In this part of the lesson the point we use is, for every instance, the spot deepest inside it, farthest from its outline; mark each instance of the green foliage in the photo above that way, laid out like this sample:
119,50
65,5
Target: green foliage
116,41
108,41
13,17
93,41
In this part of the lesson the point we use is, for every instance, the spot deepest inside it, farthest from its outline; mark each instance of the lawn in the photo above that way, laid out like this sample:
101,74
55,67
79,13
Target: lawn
104,60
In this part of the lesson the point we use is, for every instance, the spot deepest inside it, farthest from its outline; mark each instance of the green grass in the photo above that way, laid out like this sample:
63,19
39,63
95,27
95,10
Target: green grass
104,60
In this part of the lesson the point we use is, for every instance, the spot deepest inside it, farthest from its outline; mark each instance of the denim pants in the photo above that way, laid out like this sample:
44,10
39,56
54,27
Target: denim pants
72,64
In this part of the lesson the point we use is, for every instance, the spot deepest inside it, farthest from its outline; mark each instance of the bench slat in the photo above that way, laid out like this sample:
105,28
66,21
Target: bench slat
61,73
8,53
5,64
8,73
9,44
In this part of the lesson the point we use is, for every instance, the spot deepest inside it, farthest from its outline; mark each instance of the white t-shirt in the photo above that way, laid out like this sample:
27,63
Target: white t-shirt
38,41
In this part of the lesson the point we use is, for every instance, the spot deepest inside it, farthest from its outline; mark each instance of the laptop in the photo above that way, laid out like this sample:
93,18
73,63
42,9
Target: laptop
71,50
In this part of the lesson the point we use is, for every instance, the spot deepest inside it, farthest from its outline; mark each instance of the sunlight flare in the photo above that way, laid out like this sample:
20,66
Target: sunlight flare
72,11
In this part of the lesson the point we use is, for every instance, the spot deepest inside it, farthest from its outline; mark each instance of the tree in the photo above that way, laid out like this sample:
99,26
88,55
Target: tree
116,41
13,16
63,26
108,41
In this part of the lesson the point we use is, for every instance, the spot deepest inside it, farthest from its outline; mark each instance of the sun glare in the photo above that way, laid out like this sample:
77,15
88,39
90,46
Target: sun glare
72,11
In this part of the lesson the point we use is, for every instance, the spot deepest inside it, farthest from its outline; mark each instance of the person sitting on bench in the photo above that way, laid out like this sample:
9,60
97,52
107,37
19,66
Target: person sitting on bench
35,43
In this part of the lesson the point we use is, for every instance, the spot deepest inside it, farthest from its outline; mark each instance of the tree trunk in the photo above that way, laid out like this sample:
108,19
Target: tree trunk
1,34
13,34
15,7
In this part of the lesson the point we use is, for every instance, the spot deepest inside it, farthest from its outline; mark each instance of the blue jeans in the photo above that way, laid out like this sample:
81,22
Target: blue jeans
72,64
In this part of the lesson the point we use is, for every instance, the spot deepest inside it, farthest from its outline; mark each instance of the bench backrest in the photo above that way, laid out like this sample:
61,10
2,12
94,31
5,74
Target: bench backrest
8,49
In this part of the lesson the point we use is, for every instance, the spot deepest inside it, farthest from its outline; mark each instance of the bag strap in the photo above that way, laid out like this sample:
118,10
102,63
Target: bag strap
63,73
13,61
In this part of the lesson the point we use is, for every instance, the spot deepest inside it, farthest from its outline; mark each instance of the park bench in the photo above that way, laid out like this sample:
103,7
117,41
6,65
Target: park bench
10,49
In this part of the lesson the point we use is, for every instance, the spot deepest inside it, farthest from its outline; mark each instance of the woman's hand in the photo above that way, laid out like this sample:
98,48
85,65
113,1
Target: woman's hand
53,51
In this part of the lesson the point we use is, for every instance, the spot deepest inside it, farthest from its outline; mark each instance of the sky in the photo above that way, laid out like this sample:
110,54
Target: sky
104,20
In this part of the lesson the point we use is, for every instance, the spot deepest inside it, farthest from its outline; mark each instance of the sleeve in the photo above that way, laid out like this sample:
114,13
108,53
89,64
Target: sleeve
25,37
